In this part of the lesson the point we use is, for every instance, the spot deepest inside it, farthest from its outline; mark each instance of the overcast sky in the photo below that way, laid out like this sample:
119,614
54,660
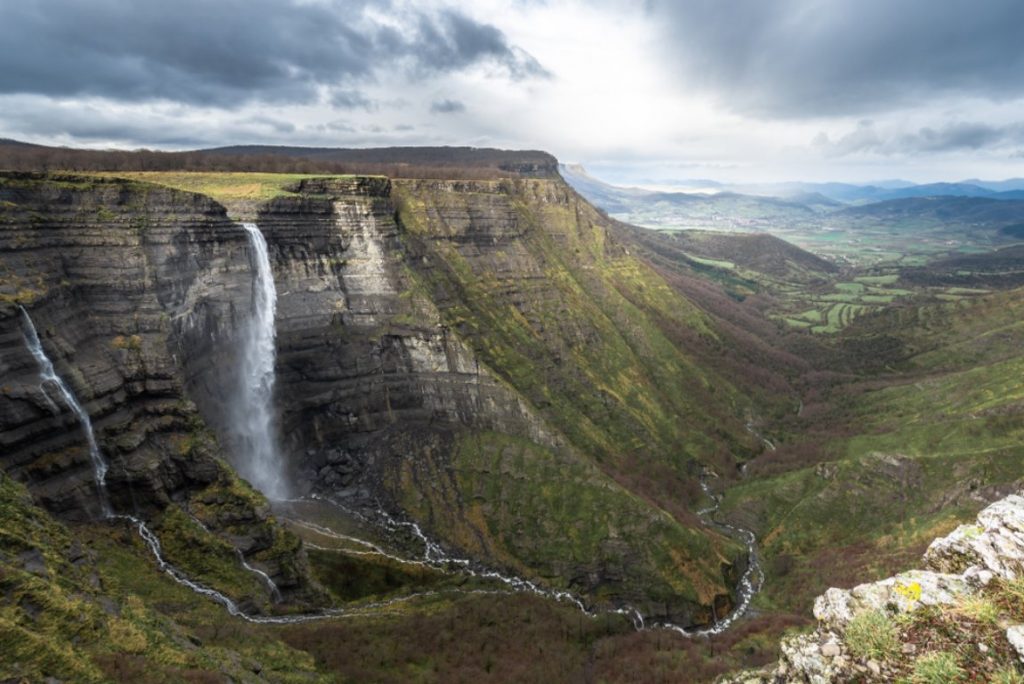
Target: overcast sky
727,89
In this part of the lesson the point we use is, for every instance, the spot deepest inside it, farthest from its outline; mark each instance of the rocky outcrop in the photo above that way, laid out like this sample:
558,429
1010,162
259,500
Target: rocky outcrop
994,546
956,566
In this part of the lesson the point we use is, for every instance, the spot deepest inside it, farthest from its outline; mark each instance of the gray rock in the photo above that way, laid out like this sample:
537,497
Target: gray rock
1015,635
831,650
995,543
900,594
33,561
803,661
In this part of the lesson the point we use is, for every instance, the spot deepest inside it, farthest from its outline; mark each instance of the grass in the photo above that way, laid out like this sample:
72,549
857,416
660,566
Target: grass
1008,675
872,634
112,615
221,186
940,667
717,263
887,279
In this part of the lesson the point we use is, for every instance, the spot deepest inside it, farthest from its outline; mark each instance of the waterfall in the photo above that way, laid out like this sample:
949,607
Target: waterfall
253,423
48,377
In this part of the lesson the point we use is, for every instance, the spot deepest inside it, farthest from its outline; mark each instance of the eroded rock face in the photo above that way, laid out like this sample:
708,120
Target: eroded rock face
131,290
364,360
135,292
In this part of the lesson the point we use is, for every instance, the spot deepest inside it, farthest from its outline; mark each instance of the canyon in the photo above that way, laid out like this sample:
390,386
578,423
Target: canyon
354,395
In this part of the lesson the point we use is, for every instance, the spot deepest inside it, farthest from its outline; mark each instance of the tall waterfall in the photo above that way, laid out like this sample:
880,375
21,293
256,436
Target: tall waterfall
48,378
253,416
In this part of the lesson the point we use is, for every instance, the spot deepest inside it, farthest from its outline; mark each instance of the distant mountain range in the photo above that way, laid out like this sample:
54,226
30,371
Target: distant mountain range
800,200
849,193
866,224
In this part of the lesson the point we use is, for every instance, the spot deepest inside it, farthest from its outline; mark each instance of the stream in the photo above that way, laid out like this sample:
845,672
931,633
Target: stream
753,577
433,554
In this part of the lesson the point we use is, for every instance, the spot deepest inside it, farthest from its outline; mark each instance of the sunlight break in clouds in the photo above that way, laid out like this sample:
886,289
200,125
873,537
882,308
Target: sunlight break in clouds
736,89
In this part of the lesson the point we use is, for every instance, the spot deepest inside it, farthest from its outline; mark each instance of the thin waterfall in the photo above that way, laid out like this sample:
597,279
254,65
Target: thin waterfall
48,377
253,416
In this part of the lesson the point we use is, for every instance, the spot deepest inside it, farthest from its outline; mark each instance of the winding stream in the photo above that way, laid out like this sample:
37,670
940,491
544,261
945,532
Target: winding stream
433,554
753,577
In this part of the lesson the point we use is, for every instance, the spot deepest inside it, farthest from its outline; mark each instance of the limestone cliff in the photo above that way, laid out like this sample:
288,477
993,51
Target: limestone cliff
483,357
133,290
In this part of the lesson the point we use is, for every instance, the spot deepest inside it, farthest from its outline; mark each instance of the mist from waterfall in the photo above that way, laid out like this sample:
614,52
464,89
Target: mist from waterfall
252,416
48,378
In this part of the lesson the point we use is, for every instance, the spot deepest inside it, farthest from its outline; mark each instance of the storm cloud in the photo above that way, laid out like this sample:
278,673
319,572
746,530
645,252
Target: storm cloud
951,137
807,58
737,90
231,51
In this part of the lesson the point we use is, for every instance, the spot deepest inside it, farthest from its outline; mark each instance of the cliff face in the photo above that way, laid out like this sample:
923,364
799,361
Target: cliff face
385,397
541,287
134,290
482,357
364,358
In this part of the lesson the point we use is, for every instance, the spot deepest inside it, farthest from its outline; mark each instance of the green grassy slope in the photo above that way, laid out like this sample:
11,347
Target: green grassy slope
531,278
889,461
580,327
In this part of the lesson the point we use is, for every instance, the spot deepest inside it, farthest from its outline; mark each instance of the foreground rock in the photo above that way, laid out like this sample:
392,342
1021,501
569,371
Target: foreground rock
956,566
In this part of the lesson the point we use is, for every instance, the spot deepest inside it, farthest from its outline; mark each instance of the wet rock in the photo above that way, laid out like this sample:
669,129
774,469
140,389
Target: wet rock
33,561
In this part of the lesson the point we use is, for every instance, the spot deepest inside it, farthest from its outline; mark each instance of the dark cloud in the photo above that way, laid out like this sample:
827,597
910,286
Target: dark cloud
951,137
826,57
447,107
87,123
231,51
451,41
351,99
